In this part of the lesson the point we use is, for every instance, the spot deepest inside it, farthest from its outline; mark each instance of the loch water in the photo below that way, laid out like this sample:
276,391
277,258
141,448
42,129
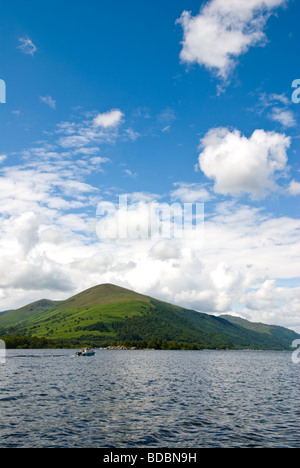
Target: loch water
143,399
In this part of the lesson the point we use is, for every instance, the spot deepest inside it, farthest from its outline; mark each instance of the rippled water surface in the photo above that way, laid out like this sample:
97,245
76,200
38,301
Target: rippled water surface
176,399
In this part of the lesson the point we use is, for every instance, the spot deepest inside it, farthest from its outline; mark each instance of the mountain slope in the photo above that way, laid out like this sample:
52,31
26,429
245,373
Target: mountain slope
88,315
278,333
107,313
13,317
5,312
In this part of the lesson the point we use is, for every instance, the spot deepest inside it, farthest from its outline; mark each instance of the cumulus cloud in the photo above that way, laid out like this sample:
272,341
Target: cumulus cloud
165,250
224,30
294,188
109,119
238,164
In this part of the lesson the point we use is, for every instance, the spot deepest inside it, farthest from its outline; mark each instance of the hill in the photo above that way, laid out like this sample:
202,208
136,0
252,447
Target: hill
108,314
277,332
5,311
12,317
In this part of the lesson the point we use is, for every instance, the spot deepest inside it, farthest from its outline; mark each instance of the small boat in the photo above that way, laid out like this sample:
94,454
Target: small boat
86,352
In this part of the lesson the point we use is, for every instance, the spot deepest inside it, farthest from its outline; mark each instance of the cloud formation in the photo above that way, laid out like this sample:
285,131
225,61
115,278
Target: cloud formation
224,30
294,188
238,164
109,119
49,101
284,116
277,107
26,46
190,193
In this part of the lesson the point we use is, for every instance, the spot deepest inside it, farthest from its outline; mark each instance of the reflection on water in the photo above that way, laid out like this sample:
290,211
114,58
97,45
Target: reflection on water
178,399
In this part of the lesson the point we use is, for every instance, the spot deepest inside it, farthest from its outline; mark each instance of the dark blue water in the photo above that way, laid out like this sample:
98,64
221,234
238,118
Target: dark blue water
164,399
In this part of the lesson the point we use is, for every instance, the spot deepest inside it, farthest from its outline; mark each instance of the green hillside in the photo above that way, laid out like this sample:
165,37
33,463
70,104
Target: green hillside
5,311
88,317
107,314
15,316
281,334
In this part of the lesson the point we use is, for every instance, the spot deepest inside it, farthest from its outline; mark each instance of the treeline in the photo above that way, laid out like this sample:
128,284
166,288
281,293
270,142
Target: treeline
33,342
157,345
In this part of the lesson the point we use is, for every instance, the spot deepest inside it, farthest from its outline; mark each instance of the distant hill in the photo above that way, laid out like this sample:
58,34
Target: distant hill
14,316
277,332
108,314
5,311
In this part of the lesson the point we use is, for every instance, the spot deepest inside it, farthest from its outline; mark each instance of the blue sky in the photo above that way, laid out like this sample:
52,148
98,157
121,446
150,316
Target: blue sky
184,101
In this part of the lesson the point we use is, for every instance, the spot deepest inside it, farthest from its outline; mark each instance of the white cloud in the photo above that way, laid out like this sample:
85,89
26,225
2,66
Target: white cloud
223,30
282,98
138,197
26,46
238,164
49,101
190,193
130,173
284,116
25,229
109,119
166,129
132,135
83,136
165,250
294,188
278,106
270,303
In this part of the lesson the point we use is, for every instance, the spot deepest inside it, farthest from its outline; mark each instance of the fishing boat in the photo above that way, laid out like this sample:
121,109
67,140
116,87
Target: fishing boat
86,352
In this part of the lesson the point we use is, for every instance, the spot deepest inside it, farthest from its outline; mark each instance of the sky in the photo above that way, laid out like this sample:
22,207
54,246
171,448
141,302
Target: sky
174,102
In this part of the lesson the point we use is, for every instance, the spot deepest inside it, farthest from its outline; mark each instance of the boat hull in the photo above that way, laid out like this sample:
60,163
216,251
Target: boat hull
85,353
